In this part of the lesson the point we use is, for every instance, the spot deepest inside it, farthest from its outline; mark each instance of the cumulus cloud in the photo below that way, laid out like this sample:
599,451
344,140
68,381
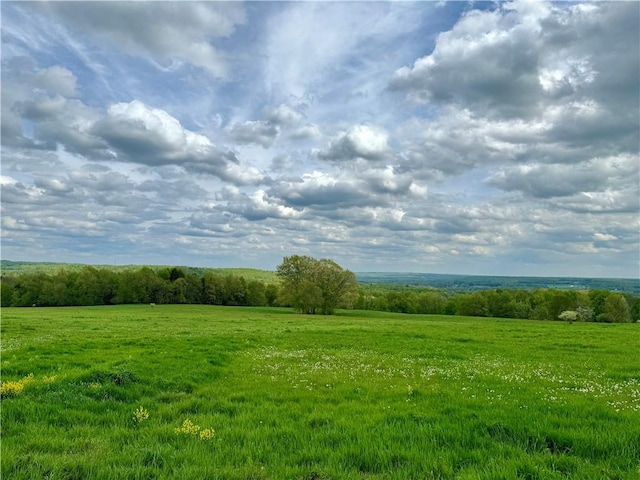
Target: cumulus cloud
58,80
285,115
258,132
563,180
306,132
38,111
141,134
521,56
227,167
360,141
544,181
621,200
488,60
150,135
528,82
99,179
320,190
259,205
388,180
42,109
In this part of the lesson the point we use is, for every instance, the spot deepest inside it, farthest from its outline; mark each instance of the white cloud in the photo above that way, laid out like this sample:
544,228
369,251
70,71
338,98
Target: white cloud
58,80
564,180
311,132
604,237
6,180
360,141
518,59
136,119
285,115
259,132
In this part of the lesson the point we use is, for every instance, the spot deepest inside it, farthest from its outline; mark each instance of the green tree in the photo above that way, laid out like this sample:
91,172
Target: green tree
402,302
312,286
235,289
194,288
155,289
596,301
616,308
472,305
431,302
175,274
27,289
500,302
307,297
271,293
128,288
213,289
539,301
256,294
179,290
634,306
560,301
7,290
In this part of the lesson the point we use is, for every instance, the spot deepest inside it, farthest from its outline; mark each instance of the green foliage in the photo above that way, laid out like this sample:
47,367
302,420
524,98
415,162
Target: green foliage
473,304
431,302
541,304
104,286
312,286
616,309
269,394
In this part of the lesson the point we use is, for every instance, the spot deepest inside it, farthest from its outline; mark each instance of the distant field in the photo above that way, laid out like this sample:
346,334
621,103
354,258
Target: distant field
106,392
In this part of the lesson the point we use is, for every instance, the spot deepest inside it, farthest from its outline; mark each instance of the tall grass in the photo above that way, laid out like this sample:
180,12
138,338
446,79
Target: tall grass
284,396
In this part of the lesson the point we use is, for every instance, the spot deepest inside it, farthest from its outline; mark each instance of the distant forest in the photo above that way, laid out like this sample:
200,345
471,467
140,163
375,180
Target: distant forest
472,283
26,285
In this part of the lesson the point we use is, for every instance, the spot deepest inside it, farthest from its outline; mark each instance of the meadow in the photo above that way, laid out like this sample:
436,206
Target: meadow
210,392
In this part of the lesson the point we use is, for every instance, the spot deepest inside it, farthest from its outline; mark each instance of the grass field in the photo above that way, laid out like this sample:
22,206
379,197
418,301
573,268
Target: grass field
195,392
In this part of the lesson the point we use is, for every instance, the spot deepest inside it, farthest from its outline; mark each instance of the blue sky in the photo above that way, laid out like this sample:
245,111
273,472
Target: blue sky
448,137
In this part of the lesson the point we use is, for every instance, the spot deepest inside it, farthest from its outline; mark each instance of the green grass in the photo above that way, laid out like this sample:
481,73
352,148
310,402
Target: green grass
360,395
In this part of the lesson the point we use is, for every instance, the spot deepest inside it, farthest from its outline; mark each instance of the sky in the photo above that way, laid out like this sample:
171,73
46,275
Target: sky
449,137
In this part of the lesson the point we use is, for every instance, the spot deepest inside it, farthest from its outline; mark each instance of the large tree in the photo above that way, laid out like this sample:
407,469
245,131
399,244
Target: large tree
316,286
616,308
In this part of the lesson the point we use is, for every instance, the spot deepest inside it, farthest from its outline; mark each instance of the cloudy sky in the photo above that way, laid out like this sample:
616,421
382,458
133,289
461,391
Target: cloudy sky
476,138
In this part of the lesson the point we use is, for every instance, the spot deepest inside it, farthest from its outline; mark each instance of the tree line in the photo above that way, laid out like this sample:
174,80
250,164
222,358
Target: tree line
310,286
538,304
102,286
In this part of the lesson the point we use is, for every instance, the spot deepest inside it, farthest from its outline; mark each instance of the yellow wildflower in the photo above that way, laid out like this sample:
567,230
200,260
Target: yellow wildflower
140,415
9,389
12,388
207,434
189,428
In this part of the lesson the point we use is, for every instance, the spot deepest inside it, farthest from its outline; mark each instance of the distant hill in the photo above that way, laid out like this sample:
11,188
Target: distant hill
452,283
9,267
470,283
